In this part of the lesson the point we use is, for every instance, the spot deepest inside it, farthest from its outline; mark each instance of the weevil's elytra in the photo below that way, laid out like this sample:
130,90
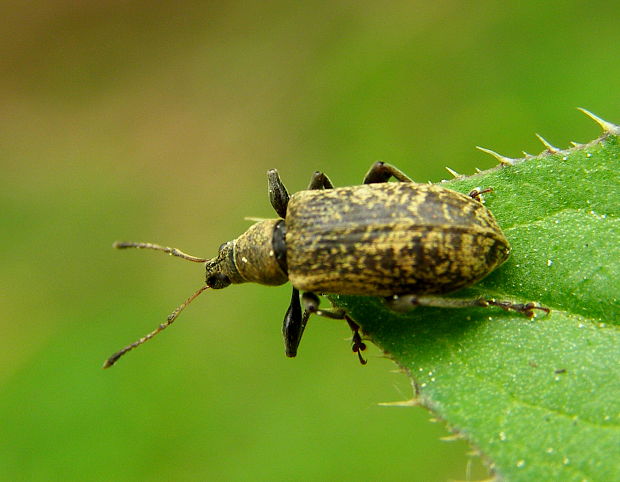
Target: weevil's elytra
407,242
386,239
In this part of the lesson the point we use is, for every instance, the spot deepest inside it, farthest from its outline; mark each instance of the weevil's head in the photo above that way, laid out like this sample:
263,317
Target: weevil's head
221,270
255,256
258,255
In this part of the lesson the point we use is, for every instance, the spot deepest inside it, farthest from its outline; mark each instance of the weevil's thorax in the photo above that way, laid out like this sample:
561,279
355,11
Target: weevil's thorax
257,256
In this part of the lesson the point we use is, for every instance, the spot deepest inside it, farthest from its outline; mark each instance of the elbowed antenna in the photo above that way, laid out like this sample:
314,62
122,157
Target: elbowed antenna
173,316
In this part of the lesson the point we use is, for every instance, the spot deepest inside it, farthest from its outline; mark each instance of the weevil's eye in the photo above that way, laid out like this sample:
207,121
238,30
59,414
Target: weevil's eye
222,246
218,281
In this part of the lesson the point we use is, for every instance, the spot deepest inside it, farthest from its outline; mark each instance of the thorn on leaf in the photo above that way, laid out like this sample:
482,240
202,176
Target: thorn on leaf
550,147
507,161
607,126
453,172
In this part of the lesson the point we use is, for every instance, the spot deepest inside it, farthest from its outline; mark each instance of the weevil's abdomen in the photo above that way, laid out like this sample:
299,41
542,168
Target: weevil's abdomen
390,238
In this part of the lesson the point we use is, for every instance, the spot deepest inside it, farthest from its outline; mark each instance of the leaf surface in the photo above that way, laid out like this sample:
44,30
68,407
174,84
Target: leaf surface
540,398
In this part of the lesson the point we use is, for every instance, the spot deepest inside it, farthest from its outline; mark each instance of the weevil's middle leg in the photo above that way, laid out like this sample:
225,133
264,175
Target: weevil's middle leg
311,304
295,320
404,303
382,172
319,181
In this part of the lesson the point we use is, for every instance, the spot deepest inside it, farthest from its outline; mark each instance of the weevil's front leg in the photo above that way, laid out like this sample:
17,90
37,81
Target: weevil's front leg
311,303
294,321
278,195
381,172
404,303
294,325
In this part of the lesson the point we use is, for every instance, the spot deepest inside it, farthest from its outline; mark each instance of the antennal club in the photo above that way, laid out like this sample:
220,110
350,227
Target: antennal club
173,316
157,247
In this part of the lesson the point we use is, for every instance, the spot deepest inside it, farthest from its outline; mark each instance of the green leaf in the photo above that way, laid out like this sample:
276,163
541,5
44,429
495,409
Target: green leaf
539,398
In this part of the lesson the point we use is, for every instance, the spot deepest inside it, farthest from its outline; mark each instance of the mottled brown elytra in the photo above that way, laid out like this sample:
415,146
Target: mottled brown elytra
407,242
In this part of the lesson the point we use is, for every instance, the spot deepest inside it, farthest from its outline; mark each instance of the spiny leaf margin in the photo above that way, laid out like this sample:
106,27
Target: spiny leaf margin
538,398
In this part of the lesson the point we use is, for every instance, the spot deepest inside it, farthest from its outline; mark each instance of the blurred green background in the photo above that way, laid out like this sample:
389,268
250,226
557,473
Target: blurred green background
156,121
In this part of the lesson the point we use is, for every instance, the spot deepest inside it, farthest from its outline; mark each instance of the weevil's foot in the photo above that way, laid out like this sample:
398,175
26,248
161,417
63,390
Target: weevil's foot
526,308
476,193
357,345
361,358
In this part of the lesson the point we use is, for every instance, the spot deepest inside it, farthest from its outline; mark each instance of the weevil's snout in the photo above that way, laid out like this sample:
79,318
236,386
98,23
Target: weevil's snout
217,281
221,270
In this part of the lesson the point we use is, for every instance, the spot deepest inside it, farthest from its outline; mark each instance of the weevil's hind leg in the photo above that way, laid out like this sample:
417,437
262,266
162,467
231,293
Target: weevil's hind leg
382,172
278,195
319,181
404,303
294,325
311,304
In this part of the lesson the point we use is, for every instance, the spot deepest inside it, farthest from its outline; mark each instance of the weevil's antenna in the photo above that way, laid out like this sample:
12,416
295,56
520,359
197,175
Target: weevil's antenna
165,249
171,317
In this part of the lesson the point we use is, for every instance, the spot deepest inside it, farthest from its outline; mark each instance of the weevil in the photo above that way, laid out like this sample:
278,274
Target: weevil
406,242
